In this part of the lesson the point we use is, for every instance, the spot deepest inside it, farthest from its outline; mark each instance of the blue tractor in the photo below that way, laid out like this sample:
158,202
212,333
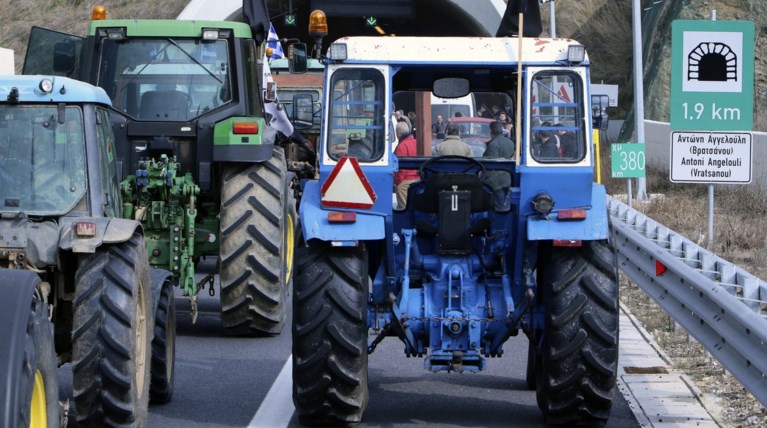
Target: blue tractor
75,279
483,248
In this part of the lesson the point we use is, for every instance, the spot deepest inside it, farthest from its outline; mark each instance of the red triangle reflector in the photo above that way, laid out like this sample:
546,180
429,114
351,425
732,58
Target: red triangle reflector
660,268
347,186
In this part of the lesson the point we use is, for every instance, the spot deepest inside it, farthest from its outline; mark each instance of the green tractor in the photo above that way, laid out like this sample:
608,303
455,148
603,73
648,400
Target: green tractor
200,168
74,276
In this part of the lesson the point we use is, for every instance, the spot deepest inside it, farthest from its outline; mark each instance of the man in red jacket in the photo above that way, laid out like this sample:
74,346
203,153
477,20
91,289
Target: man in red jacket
404,177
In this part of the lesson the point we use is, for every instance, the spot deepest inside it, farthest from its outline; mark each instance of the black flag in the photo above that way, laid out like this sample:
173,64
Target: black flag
257,16
510,21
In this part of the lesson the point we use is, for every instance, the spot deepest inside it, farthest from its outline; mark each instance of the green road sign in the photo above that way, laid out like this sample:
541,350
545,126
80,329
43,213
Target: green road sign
371,21
712,75
290,19
627,160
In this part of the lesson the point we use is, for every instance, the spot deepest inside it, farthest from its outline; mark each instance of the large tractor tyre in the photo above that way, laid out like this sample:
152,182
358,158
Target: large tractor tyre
111,336
163,346
579,352
39,386
254,252
330,360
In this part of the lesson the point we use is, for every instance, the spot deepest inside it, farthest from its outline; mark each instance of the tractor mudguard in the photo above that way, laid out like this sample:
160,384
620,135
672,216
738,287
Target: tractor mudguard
158,277
244,146
17,288
594,227
314,221
108,231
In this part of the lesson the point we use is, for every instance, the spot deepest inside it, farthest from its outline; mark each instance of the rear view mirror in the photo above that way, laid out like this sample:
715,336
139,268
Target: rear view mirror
303,111
599,116
270,92
64,57
297,61
451,87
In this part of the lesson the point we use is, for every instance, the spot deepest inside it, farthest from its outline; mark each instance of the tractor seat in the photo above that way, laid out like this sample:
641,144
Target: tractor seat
428,200
453,197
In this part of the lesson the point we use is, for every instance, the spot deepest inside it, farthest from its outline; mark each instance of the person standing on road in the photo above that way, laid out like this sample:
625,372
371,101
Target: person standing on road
438,127
500,181
453,145
404,177
568,148
402,117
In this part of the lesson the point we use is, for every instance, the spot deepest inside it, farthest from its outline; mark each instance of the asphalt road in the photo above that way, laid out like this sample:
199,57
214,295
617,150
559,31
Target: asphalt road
223,381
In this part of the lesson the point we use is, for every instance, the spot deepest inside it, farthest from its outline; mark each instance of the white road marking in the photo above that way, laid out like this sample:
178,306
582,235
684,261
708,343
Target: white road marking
277,409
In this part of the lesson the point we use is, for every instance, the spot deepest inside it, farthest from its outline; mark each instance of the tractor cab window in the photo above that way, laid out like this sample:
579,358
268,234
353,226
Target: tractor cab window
557,118
286,99
42,159
357,114
109,181
165,79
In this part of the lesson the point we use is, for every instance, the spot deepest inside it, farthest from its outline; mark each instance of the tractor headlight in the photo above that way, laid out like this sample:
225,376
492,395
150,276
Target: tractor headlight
209,34
543,203
46,85
337,52
576,54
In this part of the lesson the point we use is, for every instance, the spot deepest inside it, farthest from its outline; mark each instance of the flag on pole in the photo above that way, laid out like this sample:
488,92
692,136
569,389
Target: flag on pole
273,42
510,21
256,15
276,117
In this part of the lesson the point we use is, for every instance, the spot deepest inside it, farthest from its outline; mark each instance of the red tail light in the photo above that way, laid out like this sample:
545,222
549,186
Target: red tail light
85,229
245,128
342,217
572,214
567,243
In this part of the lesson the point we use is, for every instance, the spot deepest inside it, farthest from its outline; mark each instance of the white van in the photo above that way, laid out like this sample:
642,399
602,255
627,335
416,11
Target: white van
448,107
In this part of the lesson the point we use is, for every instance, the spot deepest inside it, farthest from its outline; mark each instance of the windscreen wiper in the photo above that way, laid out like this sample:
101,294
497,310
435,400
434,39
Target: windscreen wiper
173,42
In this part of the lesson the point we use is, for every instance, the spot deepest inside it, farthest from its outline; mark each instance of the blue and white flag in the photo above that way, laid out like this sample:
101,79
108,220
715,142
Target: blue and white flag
273,42
276,117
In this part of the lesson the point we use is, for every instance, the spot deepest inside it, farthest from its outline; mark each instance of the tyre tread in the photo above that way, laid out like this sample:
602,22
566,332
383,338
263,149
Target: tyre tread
253,286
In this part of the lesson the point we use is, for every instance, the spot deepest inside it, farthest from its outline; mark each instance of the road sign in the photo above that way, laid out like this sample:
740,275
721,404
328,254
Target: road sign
627,160
712,75
290,20
711,157
610,90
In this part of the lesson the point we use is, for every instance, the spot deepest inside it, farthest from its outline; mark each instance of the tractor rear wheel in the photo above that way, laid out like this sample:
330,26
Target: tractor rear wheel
39,385
111,336
330,360
254,254
579,353
163,347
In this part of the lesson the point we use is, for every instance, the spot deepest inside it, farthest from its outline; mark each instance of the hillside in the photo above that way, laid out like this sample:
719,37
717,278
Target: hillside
71,16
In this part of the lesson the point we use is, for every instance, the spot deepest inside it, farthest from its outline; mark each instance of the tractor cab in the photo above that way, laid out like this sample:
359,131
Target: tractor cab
43,166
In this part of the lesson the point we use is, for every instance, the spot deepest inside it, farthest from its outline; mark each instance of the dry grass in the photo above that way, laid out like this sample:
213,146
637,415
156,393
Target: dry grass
71,16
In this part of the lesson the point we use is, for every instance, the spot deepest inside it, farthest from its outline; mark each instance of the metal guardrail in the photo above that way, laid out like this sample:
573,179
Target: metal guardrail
722,306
